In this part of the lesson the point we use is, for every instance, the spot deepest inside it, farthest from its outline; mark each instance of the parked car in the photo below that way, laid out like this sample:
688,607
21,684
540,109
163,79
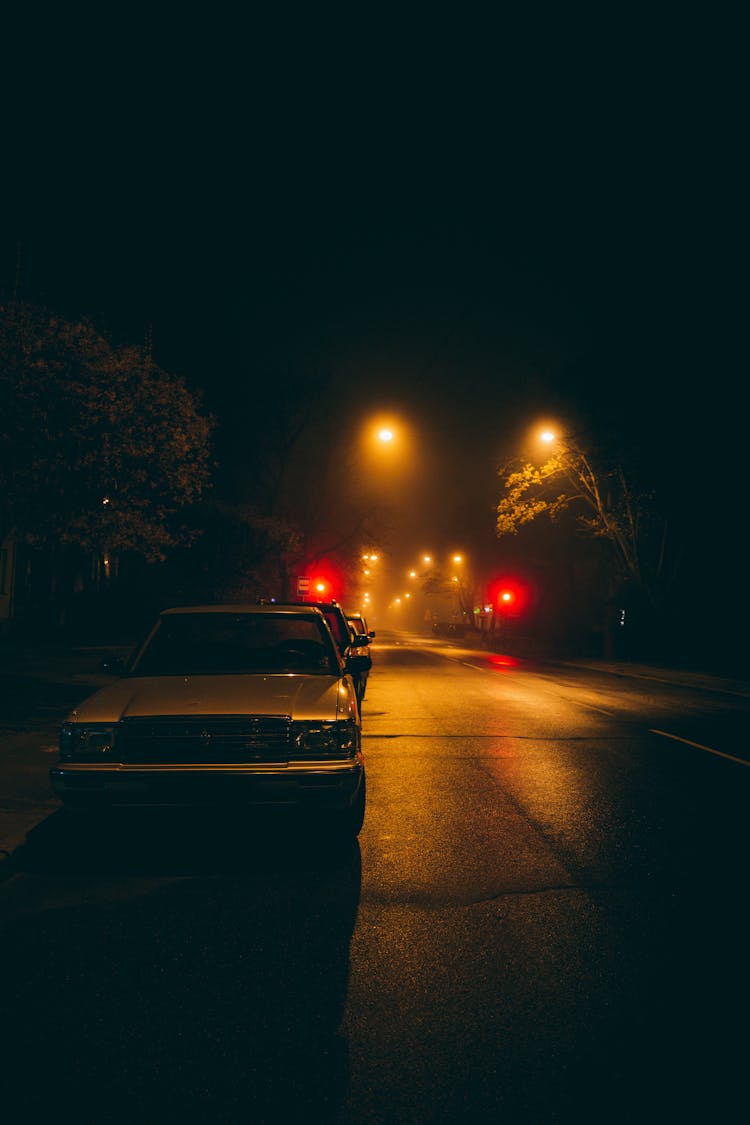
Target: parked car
347,639
449,628
365,636
223,705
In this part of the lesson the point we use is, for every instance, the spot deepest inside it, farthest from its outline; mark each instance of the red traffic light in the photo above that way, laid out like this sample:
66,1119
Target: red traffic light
324,582
510,596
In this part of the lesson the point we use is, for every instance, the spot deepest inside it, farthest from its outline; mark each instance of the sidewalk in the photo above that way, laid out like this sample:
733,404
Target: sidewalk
705,681
78,667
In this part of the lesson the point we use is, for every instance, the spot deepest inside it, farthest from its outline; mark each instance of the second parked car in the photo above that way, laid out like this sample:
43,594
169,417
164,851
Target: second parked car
365,636
348,641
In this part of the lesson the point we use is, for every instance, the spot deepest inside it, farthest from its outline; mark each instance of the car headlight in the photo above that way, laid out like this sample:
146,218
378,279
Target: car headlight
87,741
326,740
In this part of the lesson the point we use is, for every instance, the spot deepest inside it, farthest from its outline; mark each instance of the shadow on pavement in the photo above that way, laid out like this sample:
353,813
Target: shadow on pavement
173,842
177,967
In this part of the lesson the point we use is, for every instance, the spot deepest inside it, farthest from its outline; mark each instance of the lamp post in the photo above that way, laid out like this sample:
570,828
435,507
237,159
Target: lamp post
369,576
463,587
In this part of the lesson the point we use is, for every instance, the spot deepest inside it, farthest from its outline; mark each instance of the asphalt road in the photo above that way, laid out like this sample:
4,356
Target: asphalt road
543,920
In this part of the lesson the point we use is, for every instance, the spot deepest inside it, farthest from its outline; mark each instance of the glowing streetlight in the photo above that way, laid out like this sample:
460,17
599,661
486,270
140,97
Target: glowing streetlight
547,436
385,435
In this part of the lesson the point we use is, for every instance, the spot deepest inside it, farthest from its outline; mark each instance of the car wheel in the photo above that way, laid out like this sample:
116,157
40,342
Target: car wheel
349,822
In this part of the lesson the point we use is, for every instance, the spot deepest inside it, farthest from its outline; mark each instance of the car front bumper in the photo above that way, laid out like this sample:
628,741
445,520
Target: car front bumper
323,784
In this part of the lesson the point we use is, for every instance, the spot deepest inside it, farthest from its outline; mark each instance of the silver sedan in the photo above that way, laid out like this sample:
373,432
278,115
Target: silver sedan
223,705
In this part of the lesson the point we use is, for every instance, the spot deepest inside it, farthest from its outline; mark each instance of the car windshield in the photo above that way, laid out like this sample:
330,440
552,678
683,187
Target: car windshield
190,644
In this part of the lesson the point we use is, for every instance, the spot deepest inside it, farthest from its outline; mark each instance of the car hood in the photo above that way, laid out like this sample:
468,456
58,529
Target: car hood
301,697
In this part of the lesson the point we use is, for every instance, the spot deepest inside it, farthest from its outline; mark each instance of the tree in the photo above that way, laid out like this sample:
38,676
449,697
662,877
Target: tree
99,447
450,595
608,506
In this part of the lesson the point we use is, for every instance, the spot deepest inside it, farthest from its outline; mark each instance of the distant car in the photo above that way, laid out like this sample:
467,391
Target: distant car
449,628
365,635
347,639
224,705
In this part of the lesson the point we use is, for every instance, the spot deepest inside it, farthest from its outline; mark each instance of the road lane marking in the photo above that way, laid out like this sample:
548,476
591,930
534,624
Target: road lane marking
699,746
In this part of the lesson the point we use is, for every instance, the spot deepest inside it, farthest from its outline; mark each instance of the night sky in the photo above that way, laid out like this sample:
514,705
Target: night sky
465,221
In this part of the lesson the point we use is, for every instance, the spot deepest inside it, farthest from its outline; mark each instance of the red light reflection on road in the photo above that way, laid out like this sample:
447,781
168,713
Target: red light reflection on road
503,662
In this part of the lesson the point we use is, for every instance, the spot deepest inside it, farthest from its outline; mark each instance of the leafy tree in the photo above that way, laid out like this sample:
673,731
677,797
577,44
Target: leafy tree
608,507
445,589
99,447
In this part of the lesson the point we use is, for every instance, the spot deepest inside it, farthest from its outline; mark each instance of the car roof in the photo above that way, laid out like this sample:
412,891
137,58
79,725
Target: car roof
243,607
330,604
325,607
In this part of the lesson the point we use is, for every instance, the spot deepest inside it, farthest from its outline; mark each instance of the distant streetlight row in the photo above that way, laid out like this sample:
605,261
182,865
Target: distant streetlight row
388,434
457,558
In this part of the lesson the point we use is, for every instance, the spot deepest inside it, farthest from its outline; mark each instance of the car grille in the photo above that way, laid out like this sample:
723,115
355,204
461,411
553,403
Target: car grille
205,739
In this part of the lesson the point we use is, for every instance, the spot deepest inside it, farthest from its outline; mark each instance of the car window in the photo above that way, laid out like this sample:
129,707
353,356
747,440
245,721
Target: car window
337,628
336,618
210,643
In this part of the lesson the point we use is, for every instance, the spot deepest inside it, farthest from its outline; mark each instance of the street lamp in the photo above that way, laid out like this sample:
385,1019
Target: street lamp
386,438
549,438
573,459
